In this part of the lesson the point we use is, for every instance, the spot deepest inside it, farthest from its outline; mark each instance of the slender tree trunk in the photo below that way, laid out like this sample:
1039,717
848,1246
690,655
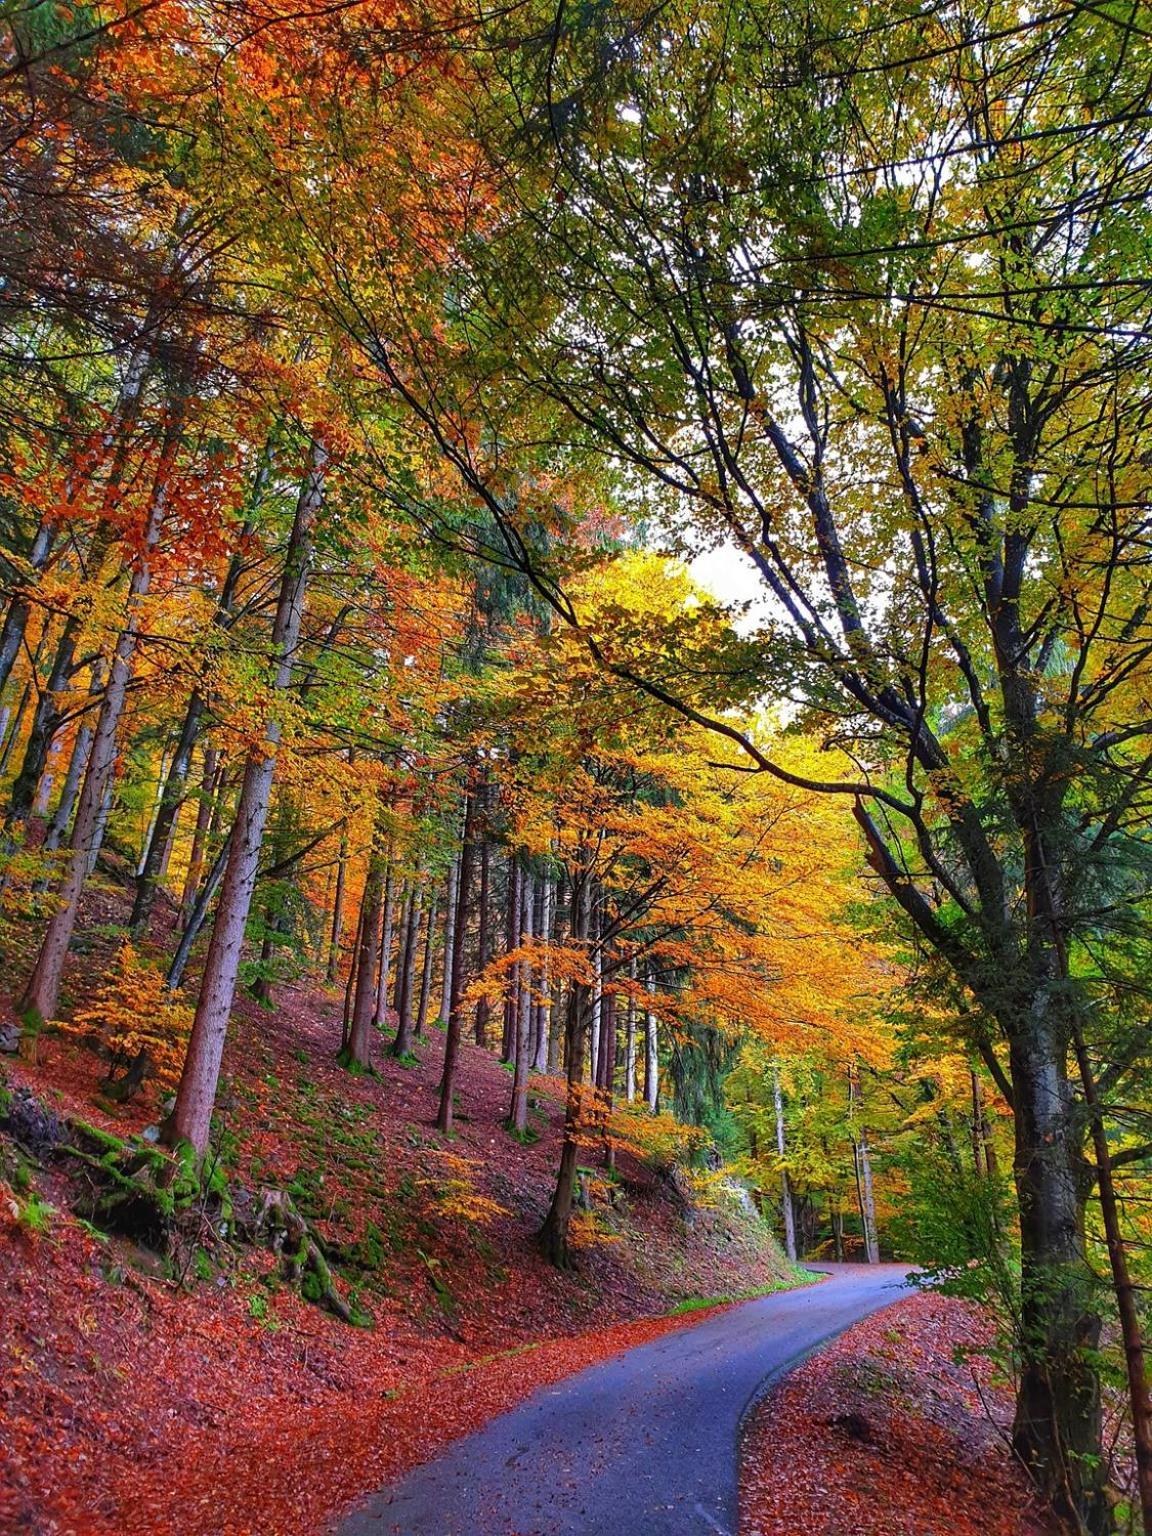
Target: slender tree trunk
77,763
407,967
192,1118
518,1116
651,1057
196,917
210,787
16,616
785,1184
597,1021
426,977
554,1233
380,1013
171,799
43,989
511,942
630,1039
404,906
483,1007
46,720
463,892
450,905
337,932
17,724
540,988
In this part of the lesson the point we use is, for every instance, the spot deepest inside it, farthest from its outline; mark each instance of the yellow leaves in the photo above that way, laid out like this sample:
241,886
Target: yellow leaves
454,1189
660,1140
132,1011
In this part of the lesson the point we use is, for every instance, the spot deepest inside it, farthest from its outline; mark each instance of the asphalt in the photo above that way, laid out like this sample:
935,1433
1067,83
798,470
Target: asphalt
642,1445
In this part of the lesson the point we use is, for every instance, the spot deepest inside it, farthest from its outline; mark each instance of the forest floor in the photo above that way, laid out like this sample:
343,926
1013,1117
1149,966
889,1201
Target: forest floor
898,1428
136,1400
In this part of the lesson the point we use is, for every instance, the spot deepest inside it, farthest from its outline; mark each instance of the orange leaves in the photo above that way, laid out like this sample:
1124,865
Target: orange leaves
131,1012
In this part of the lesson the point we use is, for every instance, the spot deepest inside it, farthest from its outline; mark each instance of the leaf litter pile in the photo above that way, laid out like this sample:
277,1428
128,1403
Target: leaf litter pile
896,1429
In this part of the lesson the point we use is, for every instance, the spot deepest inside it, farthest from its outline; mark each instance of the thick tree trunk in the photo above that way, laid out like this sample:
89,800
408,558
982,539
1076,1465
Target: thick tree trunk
356,1053
192,1117
1057,1427
1131,1332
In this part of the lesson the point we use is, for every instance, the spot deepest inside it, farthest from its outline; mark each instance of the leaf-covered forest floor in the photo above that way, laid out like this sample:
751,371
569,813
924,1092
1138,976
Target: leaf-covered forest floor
896,1429
137,1400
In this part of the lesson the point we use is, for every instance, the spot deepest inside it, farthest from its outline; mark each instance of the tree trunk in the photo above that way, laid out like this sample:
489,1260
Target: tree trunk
192,1118
452,1043
43,989
630,1039
197,916
554,1233
450,905
511,942
356,1053
483,1007
170,802
210,787
1057,1427
518,1115
406,961
380,1013
337,932
77,763
785,1186
426,977
1127,1307
16,617
46,720
651,1057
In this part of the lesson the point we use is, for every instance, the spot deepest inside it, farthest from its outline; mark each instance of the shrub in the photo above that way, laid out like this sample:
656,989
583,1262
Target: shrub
137,1021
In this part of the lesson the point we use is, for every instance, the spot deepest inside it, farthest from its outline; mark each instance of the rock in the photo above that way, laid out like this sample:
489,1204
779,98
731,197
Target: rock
9,1039
31,1123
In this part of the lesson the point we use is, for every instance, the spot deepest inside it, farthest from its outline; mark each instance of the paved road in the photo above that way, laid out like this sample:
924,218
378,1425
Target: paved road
643,1445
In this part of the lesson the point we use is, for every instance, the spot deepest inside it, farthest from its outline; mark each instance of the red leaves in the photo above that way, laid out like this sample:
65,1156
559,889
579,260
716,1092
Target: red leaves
884,1434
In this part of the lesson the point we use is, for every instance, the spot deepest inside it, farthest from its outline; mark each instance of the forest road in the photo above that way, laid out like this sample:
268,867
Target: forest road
641,1445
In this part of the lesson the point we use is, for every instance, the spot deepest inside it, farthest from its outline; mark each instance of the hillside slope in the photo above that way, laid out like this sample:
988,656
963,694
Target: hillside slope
128,1377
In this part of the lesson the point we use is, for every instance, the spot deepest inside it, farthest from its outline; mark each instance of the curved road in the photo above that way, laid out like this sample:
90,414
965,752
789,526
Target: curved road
642,1445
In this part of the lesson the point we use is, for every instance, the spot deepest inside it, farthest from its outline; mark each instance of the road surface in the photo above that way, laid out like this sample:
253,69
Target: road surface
642,1445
